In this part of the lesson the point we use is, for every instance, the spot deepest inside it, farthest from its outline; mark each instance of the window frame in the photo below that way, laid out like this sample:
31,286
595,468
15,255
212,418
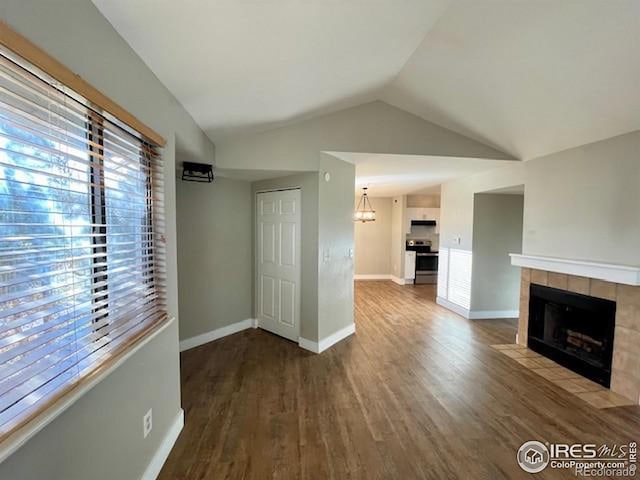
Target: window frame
141,334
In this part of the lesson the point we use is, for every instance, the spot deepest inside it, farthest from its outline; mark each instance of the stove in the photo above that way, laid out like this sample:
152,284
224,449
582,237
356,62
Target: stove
426,261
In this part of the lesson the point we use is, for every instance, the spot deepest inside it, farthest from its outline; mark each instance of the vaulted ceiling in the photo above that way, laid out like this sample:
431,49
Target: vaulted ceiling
237,65
528,77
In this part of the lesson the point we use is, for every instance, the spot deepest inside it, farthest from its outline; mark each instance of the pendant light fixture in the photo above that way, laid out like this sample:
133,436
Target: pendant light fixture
364,212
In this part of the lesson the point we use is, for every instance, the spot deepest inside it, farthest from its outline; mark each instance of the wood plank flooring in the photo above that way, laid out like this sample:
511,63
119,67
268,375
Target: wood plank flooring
417,393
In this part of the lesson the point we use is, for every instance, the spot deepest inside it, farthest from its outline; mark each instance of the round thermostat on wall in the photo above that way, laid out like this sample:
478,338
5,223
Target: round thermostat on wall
327,176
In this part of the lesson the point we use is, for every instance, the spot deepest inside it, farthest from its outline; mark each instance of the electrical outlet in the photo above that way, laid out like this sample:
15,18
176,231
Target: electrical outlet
147,423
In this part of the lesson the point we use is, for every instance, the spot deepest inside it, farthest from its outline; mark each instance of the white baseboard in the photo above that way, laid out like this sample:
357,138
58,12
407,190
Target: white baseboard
217,333
308,345
383,276
488,314
153,469
476,314
327,342
374,276
334,338
453,307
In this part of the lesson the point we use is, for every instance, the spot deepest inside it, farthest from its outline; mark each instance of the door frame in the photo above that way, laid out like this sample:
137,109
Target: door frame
256,255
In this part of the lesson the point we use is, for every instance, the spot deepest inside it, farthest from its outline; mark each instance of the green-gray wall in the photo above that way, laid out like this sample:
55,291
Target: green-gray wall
580,203
375,127
497,232
215,247
583,203
100,436
335,272
456,208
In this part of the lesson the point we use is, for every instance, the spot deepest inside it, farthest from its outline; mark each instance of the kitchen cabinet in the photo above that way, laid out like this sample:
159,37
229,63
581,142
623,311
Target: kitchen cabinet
416,213
409,265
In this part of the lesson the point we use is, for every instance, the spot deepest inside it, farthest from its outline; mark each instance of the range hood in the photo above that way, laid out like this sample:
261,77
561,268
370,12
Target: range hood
423,223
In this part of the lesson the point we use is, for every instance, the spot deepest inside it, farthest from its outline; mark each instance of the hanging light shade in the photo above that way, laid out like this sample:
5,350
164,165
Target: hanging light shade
364,212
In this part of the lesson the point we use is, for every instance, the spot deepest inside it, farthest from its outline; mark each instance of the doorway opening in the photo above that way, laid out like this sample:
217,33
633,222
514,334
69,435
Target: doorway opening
497,232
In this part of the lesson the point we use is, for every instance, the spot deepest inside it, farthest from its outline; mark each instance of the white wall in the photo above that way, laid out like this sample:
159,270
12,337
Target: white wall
373,240
398,232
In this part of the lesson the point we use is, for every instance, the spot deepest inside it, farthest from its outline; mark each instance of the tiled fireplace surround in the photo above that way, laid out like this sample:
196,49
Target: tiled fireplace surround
625,373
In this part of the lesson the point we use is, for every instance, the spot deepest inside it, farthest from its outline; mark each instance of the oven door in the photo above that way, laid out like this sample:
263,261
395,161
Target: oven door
426,263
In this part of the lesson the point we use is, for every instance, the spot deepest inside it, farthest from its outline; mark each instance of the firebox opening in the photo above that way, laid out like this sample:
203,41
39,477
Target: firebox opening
574,330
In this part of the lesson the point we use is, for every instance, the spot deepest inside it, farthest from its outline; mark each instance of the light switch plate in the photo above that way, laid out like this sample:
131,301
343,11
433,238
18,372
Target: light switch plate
147,423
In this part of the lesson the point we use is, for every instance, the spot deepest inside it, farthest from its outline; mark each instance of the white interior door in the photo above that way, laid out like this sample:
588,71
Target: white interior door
278,218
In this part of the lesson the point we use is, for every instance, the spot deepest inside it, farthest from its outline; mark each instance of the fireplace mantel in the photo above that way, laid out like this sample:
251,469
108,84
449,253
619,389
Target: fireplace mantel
623,274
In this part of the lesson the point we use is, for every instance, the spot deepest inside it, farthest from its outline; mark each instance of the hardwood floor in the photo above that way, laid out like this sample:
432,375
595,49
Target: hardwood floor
416,393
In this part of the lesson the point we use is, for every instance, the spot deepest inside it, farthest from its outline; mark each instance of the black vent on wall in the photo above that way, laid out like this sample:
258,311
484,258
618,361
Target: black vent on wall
197,172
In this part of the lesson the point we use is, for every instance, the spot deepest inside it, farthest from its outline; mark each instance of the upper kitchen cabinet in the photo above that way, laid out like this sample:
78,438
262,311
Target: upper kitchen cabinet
417,213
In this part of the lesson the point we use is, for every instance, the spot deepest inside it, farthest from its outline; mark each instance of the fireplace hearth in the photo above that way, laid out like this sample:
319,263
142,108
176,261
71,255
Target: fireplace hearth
574,330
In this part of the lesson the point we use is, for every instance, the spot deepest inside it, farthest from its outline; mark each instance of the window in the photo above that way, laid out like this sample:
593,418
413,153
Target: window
81,256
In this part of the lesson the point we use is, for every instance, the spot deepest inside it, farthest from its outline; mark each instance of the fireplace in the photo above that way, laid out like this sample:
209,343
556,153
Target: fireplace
574,330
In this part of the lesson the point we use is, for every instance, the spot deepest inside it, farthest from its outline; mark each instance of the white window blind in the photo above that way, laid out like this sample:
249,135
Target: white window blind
81,245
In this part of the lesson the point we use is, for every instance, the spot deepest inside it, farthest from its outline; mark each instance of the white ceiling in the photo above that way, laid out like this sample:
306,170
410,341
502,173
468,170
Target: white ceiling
237,65
529,77
391,175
